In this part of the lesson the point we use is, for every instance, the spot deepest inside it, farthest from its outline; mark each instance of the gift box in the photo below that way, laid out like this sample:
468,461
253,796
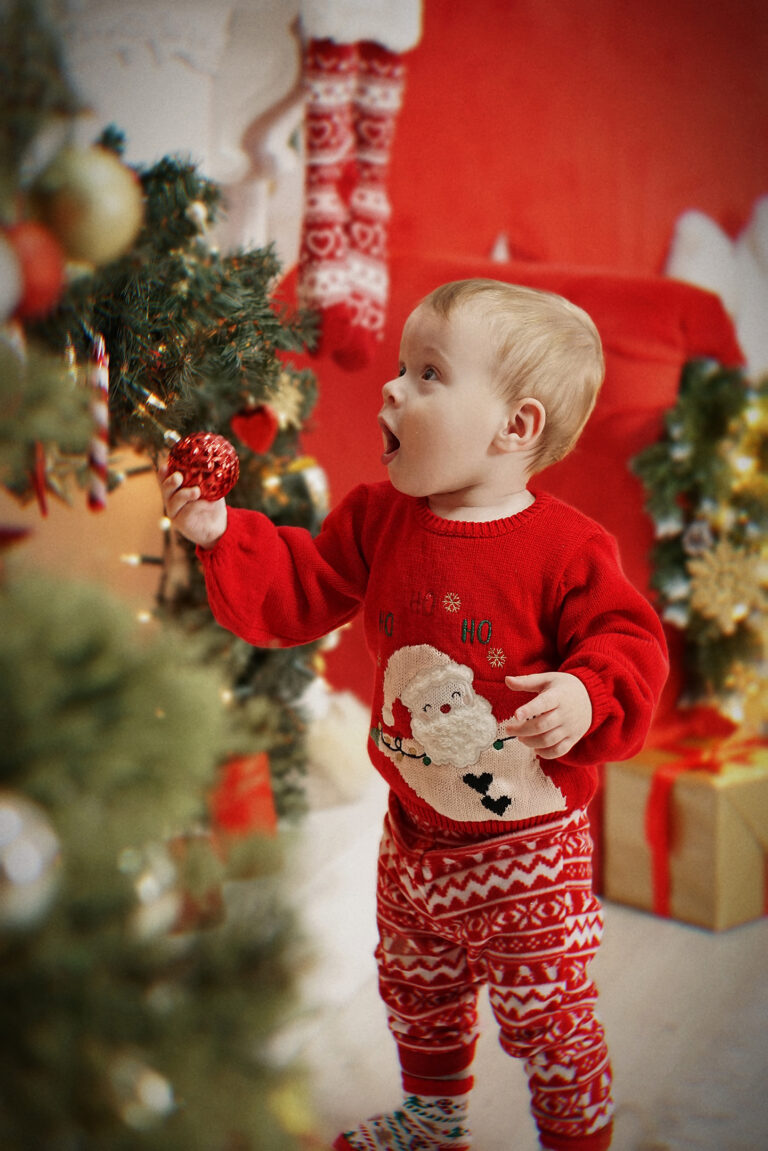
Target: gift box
685,833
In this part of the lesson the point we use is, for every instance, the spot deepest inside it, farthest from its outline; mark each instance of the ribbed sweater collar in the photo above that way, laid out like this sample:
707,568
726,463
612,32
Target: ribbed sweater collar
480,529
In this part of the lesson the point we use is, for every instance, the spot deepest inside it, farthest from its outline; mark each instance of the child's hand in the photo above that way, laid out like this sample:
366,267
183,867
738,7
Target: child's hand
201,521
556,719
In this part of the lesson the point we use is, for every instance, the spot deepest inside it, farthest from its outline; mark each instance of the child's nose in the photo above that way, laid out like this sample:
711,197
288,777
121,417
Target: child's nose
391,391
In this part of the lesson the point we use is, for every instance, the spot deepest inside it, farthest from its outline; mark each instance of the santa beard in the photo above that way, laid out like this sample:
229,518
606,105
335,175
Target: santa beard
459,738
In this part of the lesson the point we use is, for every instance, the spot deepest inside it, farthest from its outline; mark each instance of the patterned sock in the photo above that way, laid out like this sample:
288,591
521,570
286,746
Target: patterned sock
323,273
433,1118
378,98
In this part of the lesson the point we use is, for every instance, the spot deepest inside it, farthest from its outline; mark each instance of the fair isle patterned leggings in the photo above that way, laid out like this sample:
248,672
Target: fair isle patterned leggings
515,912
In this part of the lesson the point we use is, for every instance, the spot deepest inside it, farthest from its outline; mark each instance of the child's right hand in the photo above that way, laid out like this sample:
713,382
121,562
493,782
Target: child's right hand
201,521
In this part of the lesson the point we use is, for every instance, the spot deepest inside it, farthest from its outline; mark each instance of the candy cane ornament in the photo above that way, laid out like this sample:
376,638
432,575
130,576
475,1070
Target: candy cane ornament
98,380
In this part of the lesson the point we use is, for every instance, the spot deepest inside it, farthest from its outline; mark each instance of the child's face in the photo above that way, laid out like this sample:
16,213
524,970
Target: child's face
443,411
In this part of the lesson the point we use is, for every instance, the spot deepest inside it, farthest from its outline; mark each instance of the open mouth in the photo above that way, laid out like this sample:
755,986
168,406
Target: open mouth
391,443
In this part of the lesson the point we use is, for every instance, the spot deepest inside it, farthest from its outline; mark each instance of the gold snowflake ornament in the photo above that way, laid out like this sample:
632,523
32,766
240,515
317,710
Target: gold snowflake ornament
727,584
286,399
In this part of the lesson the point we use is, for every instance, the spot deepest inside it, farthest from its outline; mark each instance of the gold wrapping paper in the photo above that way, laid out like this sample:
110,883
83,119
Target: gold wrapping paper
718,839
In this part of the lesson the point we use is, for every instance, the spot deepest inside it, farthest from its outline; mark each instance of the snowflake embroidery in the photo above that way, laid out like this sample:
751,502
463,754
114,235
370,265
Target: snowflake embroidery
496,657
451,601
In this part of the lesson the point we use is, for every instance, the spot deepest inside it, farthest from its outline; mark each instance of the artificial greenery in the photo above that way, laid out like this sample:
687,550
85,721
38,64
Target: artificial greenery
39,405
707,494
193,335
35,89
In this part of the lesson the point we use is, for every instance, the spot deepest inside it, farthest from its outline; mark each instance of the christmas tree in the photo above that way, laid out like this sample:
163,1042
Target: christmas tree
172,337
195,343
139,1002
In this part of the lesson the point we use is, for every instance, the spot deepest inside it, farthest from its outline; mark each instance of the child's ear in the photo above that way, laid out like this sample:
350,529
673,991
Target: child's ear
525,423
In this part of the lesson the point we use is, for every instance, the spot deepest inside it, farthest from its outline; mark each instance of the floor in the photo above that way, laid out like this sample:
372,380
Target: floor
686,1011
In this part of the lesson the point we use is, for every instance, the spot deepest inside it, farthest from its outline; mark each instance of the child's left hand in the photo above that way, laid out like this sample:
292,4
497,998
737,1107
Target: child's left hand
556,719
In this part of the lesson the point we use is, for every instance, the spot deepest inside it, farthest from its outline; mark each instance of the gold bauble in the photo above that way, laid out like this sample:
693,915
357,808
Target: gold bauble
92,202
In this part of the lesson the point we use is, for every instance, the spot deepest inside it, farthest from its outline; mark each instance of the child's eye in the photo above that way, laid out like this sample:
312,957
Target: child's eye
401,370
429,374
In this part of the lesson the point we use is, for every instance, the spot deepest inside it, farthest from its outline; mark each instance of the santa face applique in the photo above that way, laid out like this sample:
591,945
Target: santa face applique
457,756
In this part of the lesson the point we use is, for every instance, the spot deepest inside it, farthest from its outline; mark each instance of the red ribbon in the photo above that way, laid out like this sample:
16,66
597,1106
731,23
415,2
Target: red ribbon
658,811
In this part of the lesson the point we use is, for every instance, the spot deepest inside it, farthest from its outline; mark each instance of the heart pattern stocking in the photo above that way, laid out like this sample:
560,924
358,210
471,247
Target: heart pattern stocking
354,93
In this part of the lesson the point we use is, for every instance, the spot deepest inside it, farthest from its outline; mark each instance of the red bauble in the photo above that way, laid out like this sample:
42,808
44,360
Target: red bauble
257,428
207,461
41,260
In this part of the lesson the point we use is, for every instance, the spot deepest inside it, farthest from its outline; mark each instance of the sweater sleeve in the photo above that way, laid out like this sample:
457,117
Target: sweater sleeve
280,585
612,639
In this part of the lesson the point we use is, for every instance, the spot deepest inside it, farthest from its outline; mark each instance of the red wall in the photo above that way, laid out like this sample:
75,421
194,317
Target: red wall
582,128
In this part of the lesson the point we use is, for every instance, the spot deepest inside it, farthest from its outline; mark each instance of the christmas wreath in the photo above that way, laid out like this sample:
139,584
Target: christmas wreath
706,483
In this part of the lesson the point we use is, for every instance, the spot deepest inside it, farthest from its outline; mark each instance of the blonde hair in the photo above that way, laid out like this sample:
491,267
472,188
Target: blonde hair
545,347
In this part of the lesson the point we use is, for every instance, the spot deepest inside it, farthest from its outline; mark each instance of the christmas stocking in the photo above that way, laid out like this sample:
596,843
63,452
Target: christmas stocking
323,274
433,1118
378,98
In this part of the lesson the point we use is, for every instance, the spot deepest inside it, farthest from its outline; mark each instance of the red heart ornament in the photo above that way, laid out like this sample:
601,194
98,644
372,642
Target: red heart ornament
256,428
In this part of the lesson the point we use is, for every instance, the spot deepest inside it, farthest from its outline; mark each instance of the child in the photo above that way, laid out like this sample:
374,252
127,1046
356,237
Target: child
512,657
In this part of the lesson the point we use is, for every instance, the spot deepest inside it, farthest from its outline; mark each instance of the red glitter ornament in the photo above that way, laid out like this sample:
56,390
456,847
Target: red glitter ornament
207,461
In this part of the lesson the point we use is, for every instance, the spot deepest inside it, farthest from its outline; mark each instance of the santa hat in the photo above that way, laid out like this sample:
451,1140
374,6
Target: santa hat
412,667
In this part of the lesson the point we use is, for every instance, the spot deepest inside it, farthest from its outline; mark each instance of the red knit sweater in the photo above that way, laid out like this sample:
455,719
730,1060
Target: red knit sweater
450,609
